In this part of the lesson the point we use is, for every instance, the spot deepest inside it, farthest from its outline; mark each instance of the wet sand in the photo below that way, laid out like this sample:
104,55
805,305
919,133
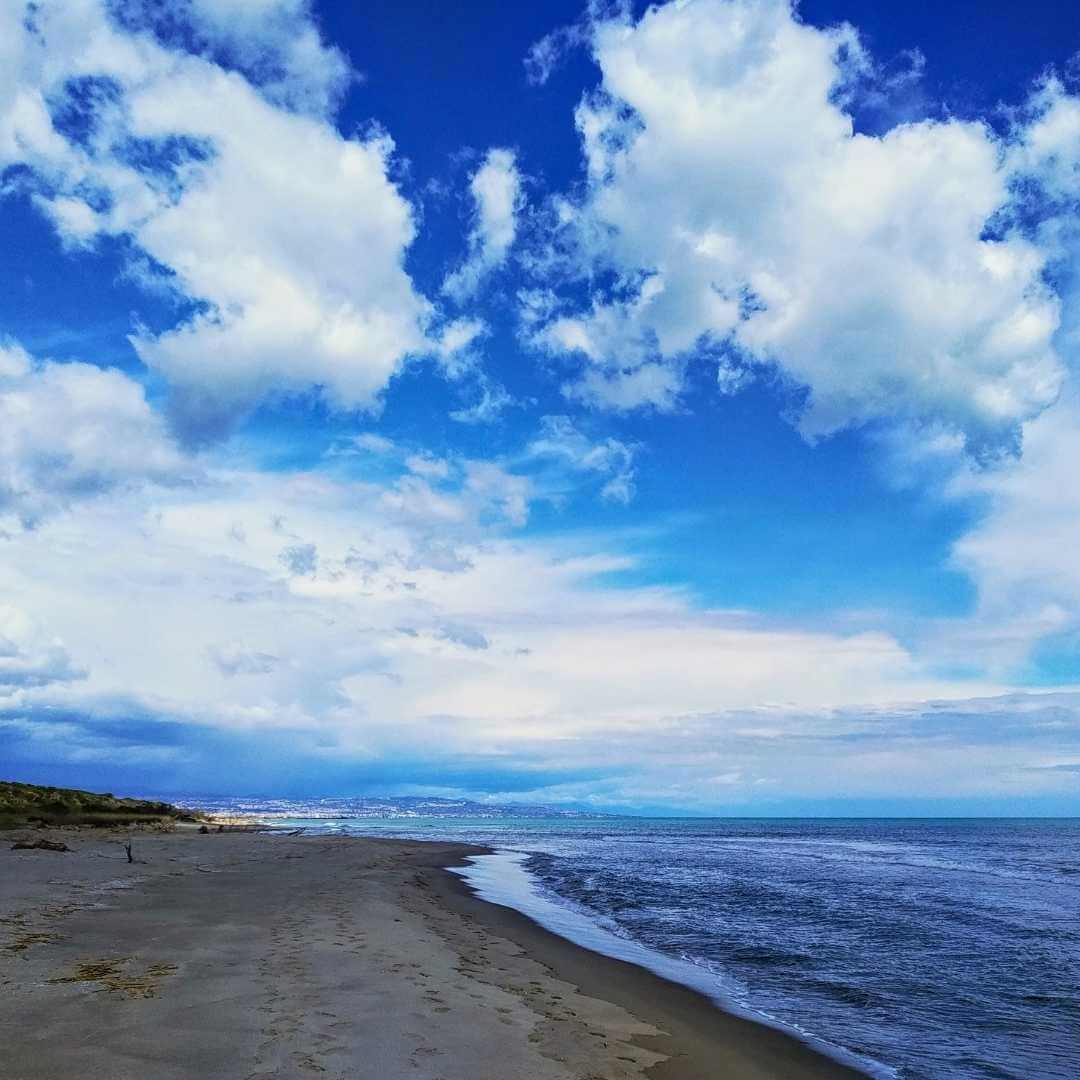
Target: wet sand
245,955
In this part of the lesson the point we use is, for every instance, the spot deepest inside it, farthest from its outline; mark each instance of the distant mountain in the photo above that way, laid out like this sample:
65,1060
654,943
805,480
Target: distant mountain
403,806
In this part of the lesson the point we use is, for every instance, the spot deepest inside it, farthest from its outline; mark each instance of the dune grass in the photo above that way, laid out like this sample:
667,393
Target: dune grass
28,804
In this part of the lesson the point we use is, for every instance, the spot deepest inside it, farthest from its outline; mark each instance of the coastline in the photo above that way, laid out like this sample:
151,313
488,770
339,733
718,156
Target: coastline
250,955
701,1039
682,1003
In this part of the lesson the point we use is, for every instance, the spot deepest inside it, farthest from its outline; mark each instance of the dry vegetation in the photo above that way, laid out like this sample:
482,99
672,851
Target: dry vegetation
25,804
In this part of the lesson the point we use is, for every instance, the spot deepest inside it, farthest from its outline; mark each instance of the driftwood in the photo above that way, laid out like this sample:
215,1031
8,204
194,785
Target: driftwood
39,845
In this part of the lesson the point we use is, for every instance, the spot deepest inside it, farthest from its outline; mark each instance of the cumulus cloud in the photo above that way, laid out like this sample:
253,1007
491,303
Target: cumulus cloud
497,198
1047,141
1019,554
275,42
740,213
1044,156
1018,551
295,273
72,431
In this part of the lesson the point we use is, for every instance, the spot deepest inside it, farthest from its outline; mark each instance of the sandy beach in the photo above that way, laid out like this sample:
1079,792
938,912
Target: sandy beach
245,955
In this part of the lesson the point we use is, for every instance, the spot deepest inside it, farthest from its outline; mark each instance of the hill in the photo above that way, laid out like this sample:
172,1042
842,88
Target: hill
22,804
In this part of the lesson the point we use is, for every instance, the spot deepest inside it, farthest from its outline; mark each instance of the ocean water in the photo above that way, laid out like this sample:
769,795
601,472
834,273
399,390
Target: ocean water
945,949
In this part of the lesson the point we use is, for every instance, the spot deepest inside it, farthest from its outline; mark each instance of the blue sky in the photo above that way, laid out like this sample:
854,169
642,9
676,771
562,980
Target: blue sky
657,408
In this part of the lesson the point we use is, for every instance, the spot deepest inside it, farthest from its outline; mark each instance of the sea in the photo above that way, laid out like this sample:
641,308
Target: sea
920,949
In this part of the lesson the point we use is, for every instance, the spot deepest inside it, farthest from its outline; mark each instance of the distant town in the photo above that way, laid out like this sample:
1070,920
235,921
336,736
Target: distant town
404,806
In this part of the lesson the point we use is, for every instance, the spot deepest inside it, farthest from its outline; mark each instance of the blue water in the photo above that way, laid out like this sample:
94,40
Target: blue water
926,948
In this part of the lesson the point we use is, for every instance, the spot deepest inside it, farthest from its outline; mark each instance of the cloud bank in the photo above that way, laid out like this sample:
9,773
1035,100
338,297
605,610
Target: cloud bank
296,607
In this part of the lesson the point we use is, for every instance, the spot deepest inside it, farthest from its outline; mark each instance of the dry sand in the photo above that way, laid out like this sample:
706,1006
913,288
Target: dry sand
245,955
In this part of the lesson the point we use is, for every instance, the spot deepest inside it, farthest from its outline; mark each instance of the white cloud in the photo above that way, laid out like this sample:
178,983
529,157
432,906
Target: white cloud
1044,156
455,349
318,297
505,493
550,51
290,237
300,559
395,622
72,431
1047,142
403,620
729,194
76,222
1014,746
1021,553
372,443
498,200
466,636
278,45
612,459
25,124
427,466
546,54
29,658
235,659
385,649
491,401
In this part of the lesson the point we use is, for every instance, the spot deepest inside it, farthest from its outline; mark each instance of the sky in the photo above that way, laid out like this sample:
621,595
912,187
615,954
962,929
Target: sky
660,409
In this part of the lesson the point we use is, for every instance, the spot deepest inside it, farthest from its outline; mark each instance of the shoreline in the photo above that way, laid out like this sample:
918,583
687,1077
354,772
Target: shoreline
680,976
243,954
712,1041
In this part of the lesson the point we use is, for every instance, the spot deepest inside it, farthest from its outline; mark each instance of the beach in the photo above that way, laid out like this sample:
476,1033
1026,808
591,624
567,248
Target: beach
243,955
